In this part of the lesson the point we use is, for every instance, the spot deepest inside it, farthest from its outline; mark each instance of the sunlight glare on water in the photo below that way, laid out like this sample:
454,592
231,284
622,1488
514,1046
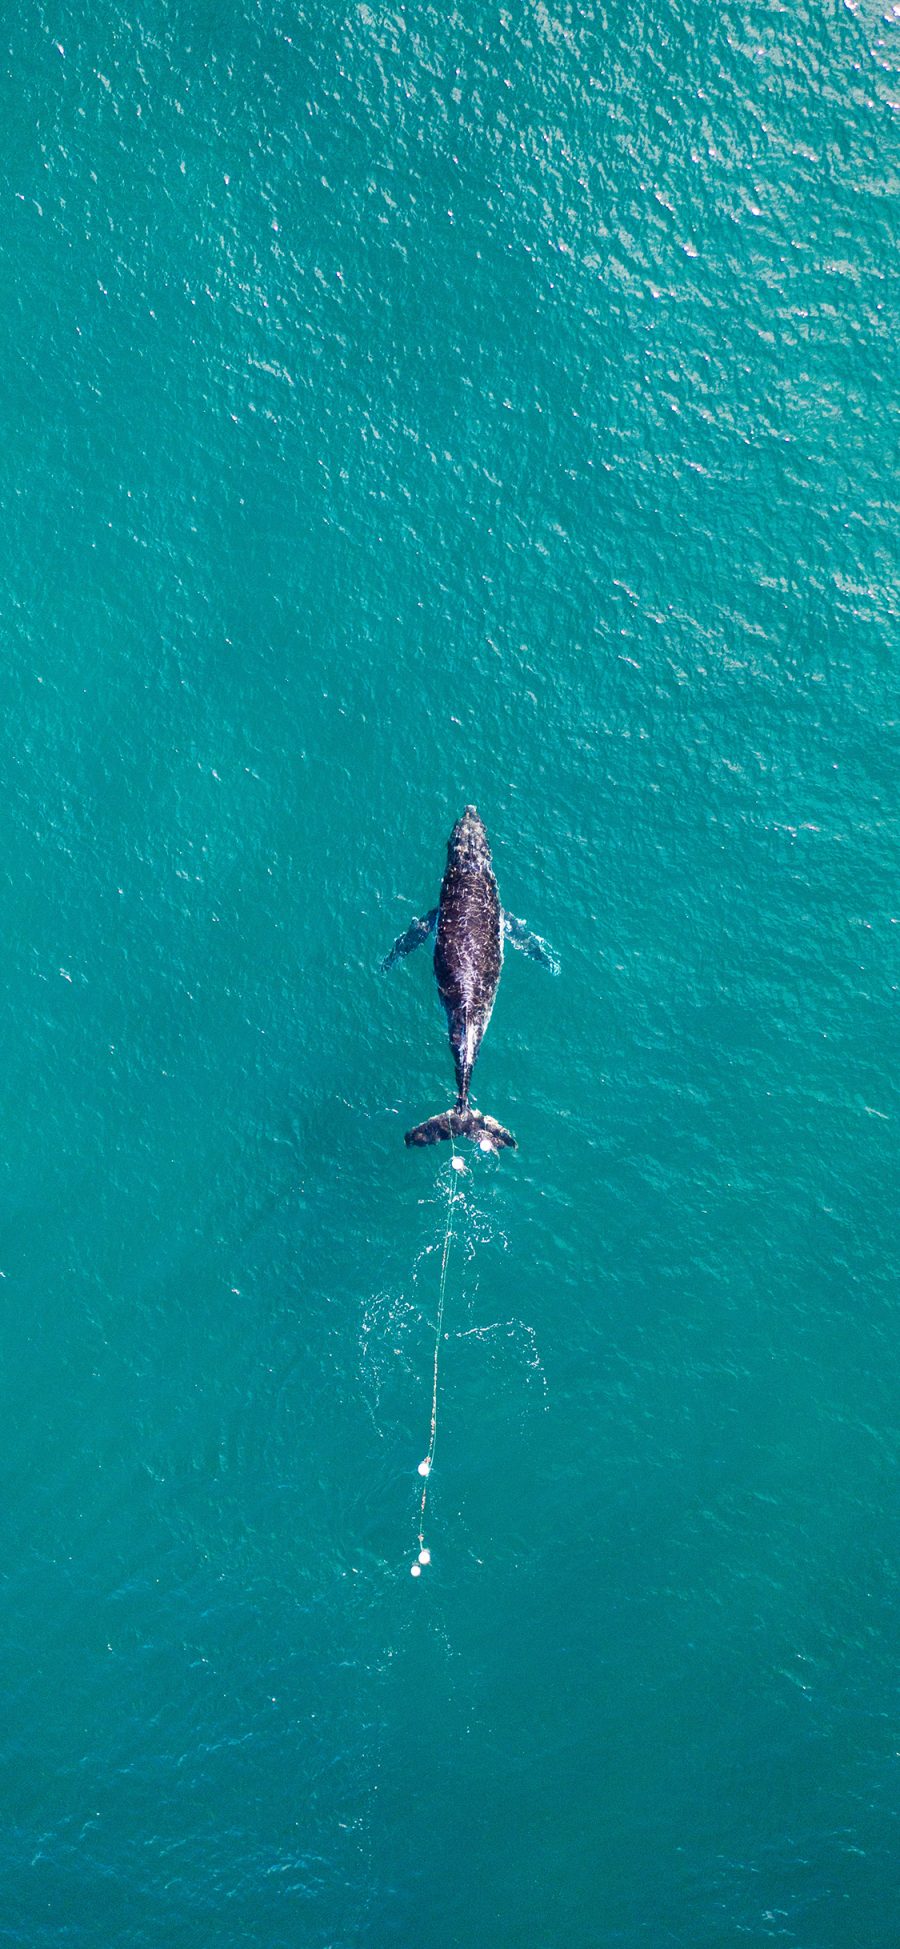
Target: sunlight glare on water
407,409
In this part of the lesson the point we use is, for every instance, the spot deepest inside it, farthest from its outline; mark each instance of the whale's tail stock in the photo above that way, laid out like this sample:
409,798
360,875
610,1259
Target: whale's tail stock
484,1131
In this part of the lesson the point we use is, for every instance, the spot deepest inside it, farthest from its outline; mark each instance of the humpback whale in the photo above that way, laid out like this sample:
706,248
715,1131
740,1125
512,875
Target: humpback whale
471,929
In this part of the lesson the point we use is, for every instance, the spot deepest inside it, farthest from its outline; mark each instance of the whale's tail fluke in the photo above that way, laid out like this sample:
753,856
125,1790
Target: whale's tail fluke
484,1131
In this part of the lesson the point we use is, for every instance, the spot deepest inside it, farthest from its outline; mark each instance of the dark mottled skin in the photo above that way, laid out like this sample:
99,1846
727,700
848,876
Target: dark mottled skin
469,950
471,929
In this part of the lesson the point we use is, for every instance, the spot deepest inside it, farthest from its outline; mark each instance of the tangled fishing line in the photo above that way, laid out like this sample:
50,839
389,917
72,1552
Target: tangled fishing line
425,1466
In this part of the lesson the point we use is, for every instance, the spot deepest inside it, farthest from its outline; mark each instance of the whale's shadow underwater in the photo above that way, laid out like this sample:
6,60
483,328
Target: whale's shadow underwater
471,929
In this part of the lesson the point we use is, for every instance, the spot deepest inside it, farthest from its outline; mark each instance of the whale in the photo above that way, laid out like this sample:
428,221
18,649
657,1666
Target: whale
470,929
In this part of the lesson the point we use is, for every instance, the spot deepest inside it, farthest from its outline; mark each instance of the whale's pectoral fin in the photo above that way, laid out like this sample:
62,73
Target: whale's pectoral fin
414,936
521,936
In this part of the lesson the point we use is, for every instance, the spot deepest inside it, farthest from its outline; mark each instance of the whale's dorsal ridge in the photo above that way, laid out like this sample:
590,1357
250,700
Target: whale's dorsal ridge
470,928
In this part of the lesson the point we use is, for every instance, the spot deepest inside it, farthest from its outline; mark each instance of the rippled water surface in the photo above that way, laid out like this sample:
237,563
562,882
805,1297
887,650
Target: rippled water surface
404,407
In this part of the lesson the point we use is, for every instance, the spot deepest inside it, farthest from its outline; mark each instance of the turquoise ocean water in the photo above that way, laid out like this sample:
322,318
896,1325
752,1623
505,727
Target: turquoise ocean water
405,406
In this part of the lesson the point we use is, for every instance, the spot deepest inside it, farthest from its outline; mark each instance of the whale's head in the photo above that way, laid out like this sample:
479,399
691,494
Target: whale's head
468,846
